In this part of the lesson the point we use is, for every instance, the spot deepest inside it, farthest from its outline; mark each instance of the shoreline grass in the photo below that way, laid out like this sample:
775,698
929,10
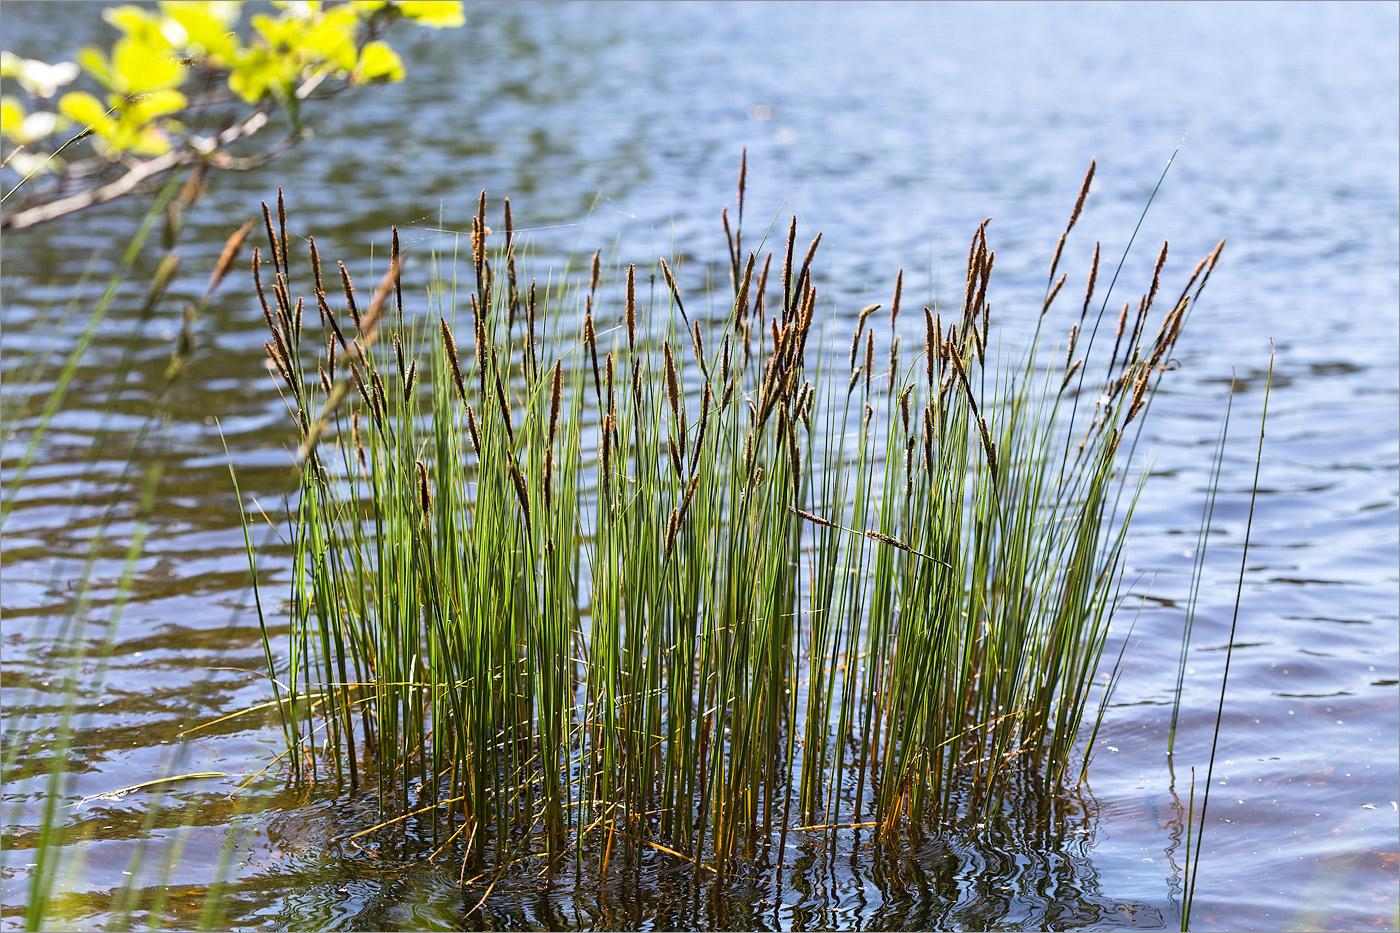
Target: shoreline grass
580,576
45,722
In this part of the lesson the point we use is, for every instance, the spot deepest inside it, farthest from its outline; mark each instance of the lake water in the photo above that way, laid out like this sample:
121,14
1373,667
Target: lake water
894,130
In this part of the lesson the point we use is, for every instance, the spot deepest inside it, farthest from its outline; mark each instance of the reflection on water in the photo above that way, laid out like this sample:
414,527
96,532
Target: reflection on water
1029,871
894,130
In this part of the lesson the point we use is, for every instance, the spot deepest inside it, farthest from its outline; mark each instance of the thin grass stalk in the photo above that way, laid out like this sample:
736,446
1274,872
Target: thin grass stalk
1189,900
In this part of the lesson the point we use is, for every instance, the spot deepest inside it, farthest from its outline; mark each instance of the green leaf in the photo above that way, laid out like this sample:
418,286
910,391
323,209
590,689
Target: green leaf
138,66
332,39
223,12
11,115
86,111
279,30
378,62
94,62
208,32
435,14
147,107
145,27
259,72
149,140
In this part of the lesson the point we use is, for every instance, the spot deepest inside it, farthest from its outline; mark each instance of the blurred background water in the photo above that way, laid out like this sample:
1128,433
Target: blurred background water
894,129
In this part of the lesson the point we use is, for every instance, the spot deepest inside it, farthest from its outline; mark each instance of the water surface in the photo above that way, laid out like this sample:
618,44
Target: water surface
894,130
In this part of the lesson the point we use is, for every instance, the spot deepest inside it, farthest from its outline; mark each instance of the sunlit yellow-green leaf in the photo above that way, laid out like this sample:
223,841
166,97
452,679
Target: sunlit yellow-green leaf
332,39
94,62
147,107
209,35
437,14
144,26
259,72
378,62
224,12
144,66
86,111
139,67
148,140
11,115
280,30
131,19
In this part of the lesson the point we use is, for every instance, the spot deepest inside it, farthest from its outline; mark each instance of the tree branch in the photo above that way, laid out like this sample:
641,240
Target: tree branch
199,149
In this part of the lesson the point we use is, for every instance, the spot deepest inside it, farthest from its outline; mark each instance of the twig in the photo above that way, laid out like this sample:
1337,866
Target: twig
198,151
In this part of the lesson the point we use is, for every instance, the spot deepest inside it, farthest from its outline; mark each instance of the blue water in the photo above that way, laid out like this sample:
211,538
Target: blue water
894,129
